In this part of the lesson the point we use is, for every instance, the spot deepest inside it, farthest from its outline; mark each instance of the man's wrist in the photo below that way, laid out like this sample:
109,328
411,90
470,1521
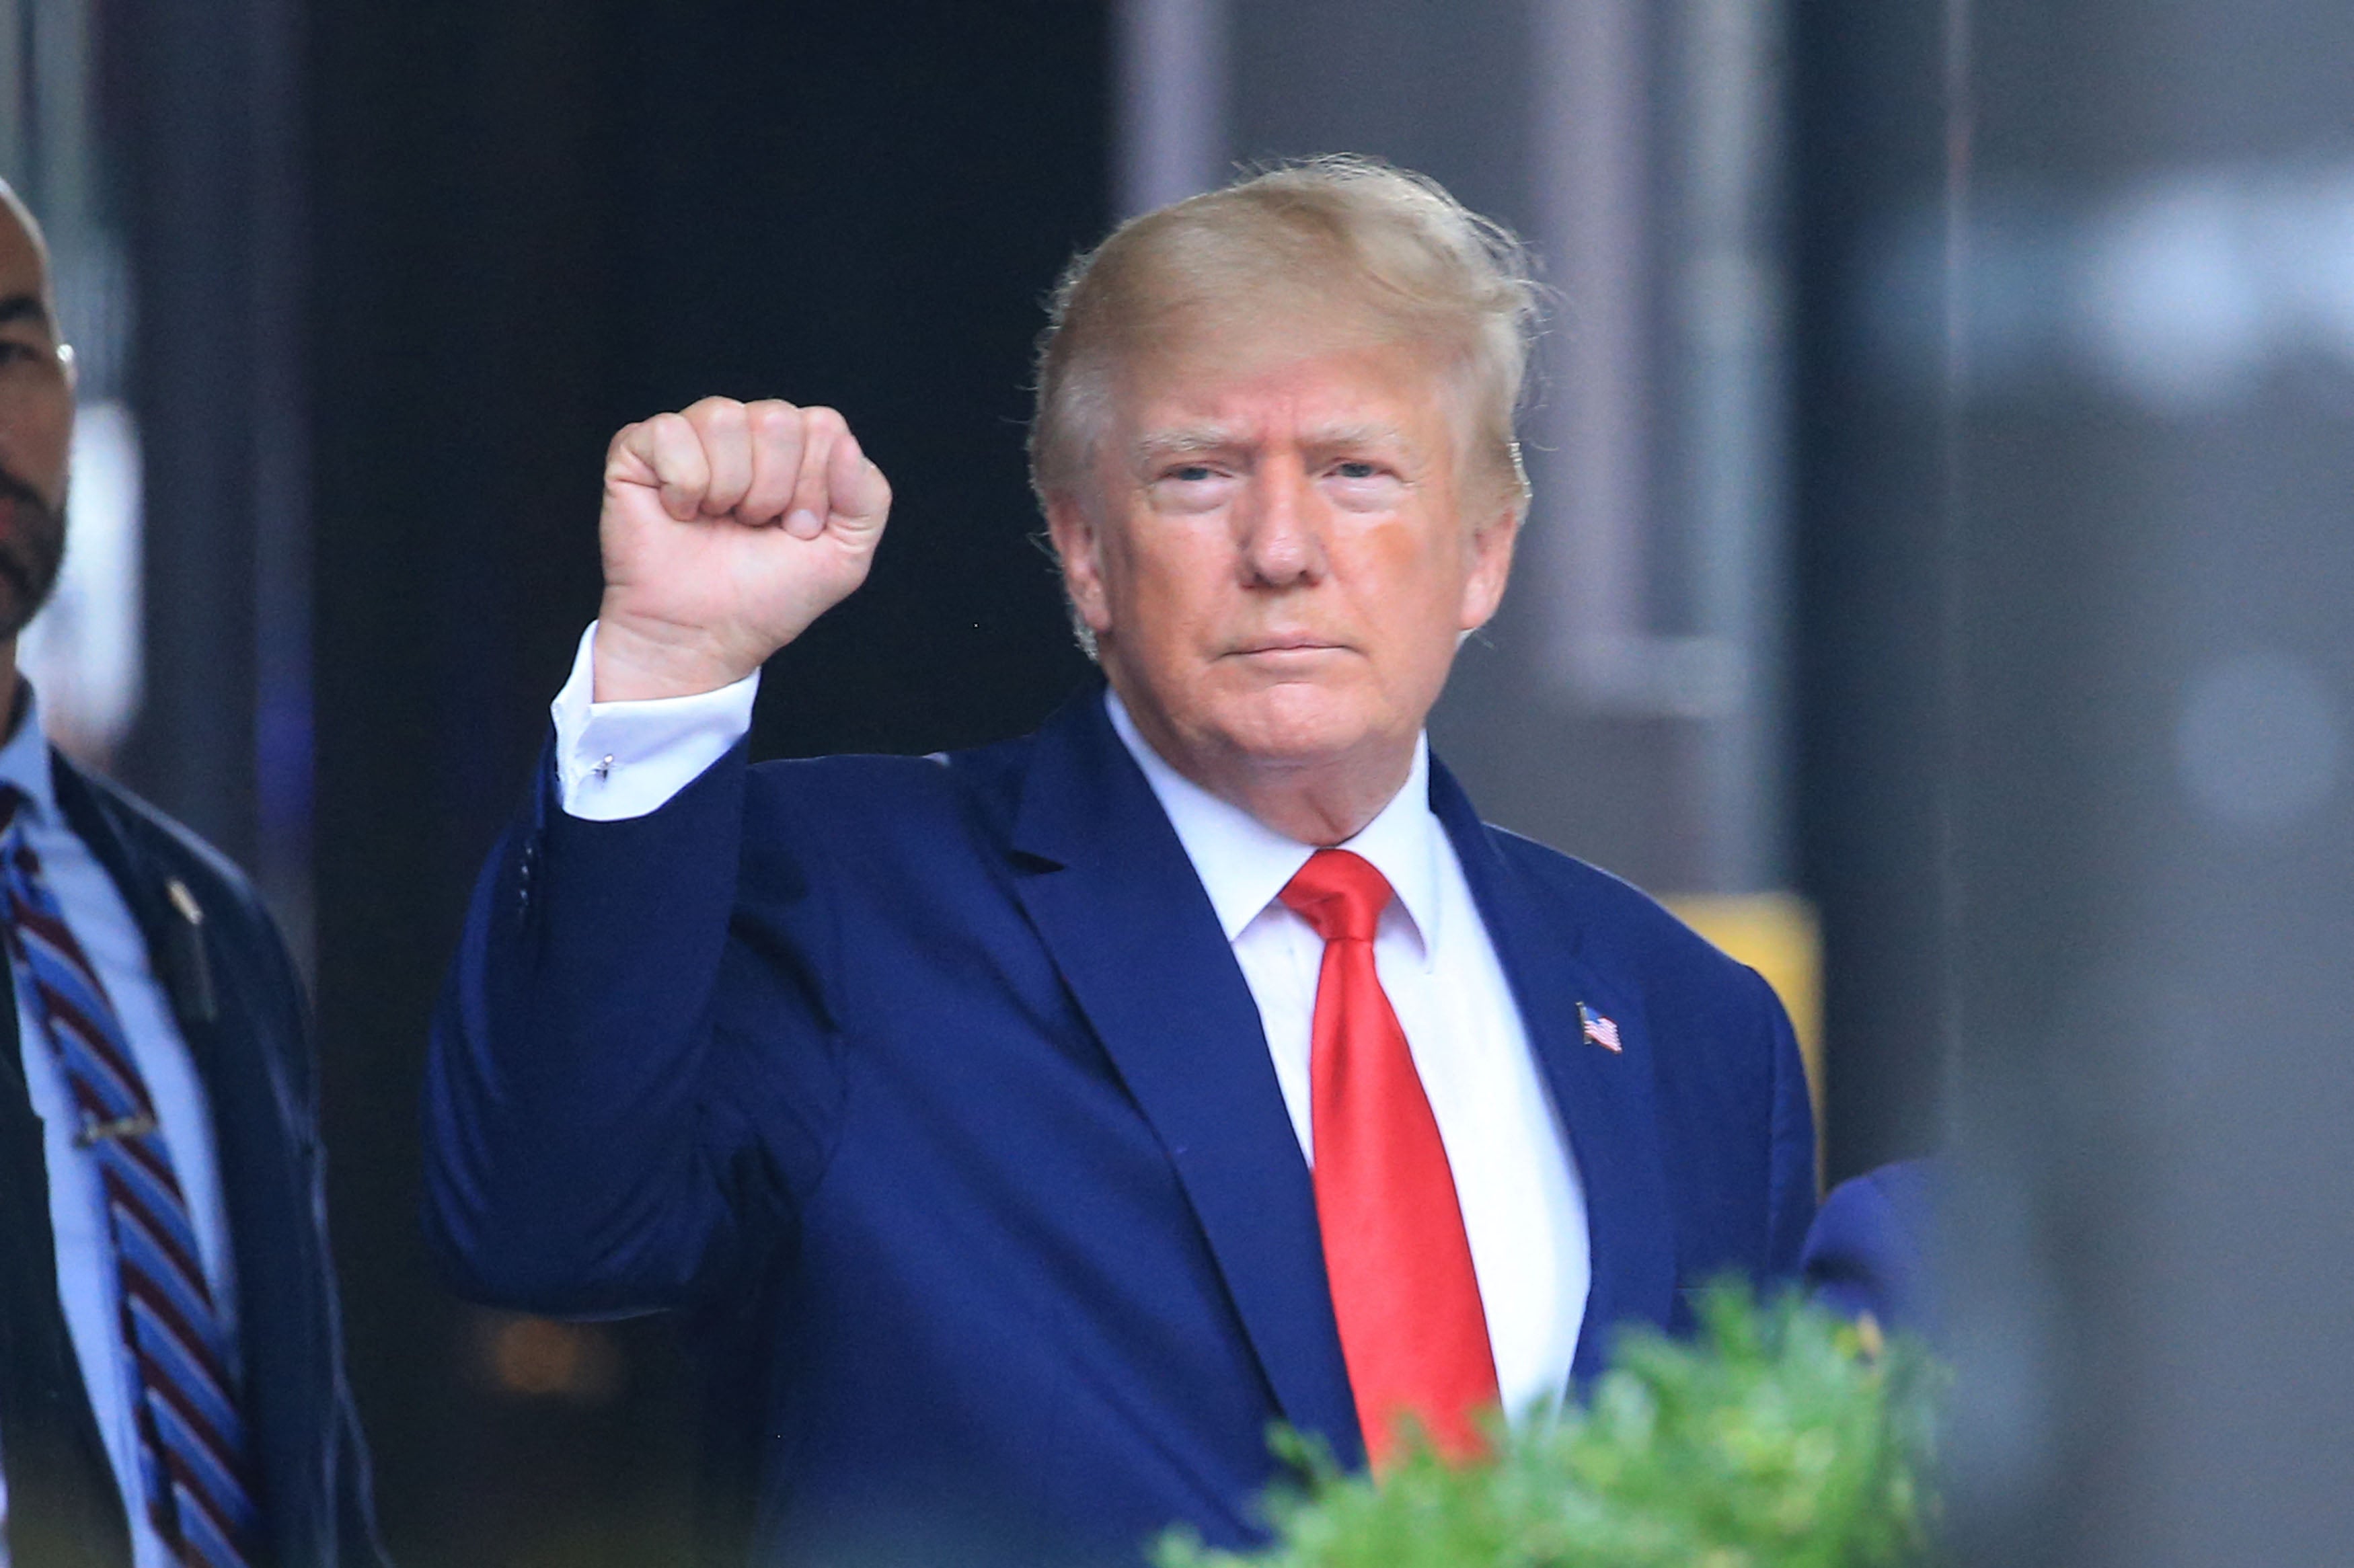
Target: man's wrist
632,664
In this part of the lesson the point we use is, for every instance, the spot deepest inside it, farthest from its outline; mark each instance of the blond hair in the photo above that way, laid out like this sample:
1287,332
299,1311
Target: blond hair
1411,260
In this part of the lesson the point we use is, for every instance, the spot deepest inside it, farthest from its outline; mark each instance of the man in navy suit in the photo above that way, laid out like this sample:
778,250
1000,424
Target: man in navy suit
171,1383
1028,1129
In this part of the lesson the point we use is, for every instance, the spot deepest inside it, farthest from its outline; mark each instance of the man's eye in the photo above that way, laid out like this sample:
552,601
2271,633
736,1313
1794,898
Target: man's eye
1354,468
1189,473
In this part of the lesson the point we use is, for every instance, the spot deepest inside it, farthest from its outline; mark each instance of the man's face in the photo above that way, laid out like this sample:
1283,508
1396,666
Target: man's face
1283,547
36,427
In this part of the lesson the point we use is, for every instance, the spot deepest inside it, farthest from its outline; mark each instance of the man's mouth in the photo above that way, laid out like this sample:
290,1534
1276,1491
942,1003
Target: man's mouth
1279,645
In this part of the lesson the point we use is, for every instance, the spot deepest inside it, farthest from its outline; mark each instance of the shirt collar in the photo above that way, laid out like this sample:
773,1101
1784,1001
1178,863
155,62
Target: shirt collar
1244,864
24,763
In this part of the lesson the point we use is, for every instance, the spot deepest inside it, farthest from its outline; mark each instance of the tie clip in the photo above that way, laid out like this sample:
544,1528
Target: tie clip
94,1131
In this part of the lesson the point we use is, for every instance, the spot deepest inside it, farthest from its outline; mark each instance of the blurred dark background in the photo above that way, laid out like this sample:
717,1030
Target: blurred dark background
1936,586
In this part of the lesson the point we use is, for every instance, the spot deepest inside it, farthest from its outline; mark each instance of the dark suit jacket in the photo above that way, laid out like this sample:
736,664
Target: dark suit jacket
240,1007
934,1089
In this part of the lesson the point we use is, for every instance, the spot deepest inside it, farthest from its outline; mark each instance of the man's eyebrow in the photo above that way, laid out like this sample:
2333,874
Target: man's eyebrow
1181,440
1184,439
24,307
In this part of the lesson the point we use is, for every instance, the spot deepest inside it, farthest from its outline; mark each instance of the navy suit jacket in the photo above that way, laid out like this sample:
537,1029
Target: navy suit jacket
240,1007
931,1087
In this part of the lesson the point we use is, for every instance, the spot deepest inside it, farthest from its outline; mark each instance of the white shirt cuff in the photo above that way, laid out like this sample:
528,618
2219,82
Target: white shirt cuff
615,760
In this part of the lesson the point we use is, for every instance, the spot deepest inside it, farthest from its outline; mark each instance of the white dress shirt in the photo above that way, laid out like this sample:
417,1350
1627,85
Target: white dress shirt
88,1285
1524,1209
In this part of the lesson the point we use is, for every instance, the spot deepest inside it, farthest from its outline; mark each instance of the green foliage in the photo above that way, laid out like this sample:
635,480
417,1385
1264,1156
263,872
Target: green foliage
1782,1435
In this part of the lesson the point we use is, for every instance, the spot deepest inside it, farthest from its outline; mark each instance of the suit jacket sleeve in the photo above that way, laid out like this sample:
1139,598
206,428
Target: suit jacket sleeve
590,1142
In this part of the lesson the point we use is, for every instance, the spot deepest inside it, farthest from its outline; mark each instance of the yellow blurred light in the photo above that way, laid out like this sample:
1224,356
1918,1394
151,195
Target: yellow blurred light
1776,935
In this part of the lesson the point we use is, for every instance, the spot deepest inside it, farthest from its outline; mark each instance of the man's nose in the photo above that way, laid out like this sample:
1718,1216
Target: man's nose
1281,528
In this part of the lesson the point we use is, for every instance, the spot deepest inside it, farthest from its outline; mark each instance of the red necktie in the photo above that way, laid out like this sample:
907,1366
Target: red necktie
1411,1329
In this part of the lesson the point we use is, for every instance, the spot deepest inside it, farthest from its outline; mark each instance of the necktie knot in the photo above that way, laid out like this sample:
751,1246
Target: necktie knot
1340,893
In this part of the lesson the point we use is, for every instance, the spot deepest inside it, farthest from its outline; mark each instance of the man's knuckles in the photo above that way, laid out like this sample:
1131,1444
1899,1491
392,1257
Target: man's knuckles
761,464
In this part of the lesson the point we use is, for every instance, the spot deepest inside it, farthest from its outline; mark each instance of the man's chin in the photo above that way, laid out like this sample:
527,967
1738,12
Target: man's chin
31,551
16,611
20,599
1300,723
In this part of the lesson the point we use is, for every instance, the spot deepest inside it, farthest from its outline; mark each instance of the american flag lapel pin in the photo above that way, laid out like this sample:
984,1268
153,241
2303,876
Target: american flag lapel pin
1599,1031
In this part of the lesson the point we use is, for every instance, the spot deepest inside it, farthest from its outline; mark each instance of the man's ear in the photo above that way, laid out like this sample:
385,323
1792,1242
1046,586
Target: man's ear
1489,553
1078,545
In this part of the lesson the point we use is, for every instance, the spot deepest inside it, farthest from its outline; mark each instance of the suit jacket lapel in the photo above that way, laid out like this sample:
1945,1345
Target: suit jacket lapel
289,1382
1117,901
1603,1097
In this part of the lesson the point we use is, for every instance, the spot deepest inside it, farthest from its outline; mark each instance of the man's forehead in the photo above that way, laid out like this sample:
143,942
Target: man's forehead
1307,367
1199,394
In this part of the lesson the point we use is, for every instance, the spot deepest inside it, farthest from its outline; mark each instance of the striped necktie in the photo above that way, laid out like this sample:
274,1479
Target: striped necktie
193,1453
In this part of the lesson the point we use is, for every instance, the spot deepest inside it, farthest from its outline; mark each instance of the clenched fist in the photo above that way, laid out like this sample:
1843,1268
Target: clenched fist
726,530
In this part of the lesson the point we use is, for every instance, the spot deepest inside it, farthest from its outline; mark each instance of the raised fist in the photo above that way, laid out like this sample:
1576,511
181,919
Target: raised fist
726,530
